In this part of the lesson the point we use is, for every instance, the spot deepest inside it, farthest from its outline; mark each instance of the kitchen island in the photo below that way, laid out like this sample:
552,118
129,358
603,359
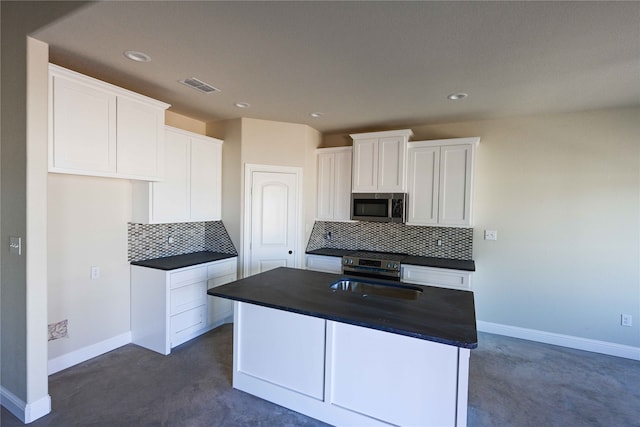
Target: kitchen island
352,357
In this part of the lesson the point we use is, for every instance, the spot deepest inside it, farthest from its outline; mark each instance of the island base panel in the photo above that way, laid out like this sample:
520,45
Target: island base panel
357,364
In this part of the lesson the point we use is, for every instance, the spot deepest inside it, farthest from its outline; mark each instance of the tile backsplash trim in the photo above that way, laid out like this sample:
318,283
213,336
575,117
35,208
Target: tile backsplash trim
457,243
149,241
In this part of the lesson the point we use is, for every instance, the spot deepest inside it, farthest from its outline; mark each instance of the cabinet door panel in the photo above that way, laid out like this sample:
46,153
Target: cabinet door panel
326,185
455,185
140,139
83,128
358,383
282,348
423,177
342,186
171,196
391,164
206,160
365,167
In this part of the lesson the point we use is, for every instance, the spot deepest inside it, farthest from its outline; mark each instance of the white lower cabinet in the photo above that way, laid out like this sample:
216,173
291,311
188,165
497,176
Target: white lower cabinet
327,264
432,276
171,307
348,375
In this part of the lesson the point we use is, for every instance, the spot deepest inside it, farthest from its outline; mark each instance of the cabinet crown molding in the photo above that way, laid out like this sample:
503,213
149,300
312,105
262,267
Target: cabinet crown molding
401,132
334,149
116,90
441,142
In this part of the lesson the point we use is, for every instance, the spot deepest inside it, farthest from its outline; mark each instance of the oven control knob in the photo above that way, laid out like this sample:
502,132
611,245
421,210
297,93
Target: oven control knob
395,266
351,261
345,261
388,265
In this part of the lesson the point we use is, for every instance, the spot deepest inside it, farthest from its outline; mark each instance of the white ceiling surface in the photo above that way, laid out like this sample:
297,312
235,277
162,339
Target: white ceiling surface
362,64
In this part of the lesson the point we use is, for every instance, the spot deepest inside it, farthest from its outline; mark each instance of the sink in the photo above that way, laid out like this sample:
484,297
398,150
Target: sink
366,288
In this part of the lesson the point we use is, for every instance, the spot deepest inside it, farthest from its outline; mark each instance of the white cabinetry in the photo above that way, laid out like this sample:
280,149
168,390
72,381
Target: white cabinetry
379,161
432,276
348,375
327,264
169,308
440,181
334,183
191,190
99,129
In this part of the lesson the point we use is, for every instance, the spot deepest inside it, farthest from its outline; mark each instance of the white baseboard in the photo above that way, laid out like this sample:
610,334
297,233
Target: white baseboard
25,412
78,356
603,347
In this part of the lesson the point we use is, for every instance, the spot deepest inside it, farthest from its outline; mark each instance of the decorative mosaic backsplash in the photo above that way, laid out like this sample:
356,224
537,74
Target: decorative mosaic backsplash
457,243
148,241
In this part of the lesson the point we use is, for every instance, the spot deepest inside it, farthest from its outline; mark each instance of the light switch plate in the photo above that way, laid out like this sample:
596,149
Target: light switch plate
15,245
490,235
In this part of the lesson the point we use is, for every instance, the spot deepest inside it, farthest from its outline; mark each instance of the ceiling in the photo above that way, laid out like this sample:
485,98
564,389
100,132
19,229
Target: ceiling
363,65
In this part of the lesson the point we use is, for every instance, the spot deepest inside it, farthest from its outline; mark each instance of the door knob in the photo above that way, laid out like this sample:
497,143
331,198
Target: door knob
290,252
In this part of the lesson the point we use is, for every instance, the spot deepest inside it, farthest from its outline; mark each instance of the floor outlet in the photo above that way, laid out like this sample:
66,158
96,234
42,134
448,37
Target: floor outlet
626,320
95,272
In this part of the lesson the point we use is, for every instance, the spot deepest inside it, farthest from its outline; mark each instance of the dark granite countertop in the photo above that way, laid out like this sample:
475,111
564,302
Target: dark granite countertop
453,264
185,260
442,315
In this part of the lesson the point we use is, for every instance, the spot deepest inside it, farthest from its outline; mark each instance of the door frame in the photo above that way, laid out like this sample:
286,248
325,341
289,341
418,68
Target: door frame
249,168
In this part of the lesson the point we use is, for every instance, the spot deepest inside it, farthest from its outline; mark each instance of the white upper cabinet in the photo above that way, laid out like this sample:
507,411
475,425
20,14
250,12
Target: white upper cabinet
334,183
99,129
379,161
192,188
440,181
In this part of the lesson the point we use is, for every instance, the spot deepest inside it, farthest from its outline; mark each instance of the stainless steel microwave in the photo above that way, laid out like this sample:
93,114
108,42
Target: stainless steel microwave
379,207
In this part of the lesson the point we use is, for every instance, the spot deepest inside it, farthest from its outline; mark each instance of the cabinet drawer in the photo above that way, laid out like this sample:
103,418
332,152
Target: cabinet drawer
436,277
222,268
221,280
187,297
328,264
186,323
186,277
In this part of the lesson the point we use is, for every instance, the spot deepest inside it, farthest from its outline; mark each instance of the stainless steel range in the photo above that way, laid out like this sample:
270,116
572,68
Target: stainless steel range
373,264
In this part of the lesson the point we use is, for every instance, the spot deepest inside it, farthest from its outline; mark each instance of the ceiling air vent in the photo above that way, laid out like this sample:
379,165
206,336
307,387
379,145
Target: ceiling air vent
199,85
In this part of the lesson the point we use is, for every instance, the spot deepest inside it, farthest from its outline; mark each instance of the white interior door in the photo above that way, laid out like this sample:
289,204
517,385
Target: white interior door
274,220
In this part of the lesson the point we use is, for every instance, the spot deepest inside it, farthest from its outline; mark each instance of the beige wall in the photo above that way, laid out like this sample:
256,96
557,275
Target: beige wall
563,193
87,219
22,198
185,123
264,142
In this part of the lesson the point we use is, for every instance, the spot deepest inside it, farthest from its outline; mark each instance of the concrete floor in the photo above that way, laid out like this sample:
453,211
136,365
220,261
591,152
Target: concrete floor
512,383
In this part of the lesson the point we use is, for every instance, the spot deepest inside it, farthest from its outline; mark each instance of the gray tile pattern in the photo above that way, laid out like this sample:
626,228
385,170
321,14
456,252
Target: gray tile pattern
457,243
216,238
148,241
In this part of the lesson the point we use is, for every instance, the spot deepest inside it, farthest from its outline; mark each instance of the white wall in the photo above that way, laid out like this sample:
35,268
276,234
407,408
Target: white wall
563,192
87,218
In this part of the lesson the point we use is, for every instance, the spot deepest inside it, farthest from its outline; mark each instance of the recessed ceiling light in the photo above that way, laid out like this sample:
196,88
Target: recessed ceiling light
316,115
242,104
457,96
137,56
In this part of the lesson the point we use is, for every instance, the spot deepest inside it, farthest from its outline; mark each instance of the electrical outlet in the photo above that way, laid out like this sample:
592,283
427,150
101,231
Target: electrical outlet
626,320
95,272
490,235
15,245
